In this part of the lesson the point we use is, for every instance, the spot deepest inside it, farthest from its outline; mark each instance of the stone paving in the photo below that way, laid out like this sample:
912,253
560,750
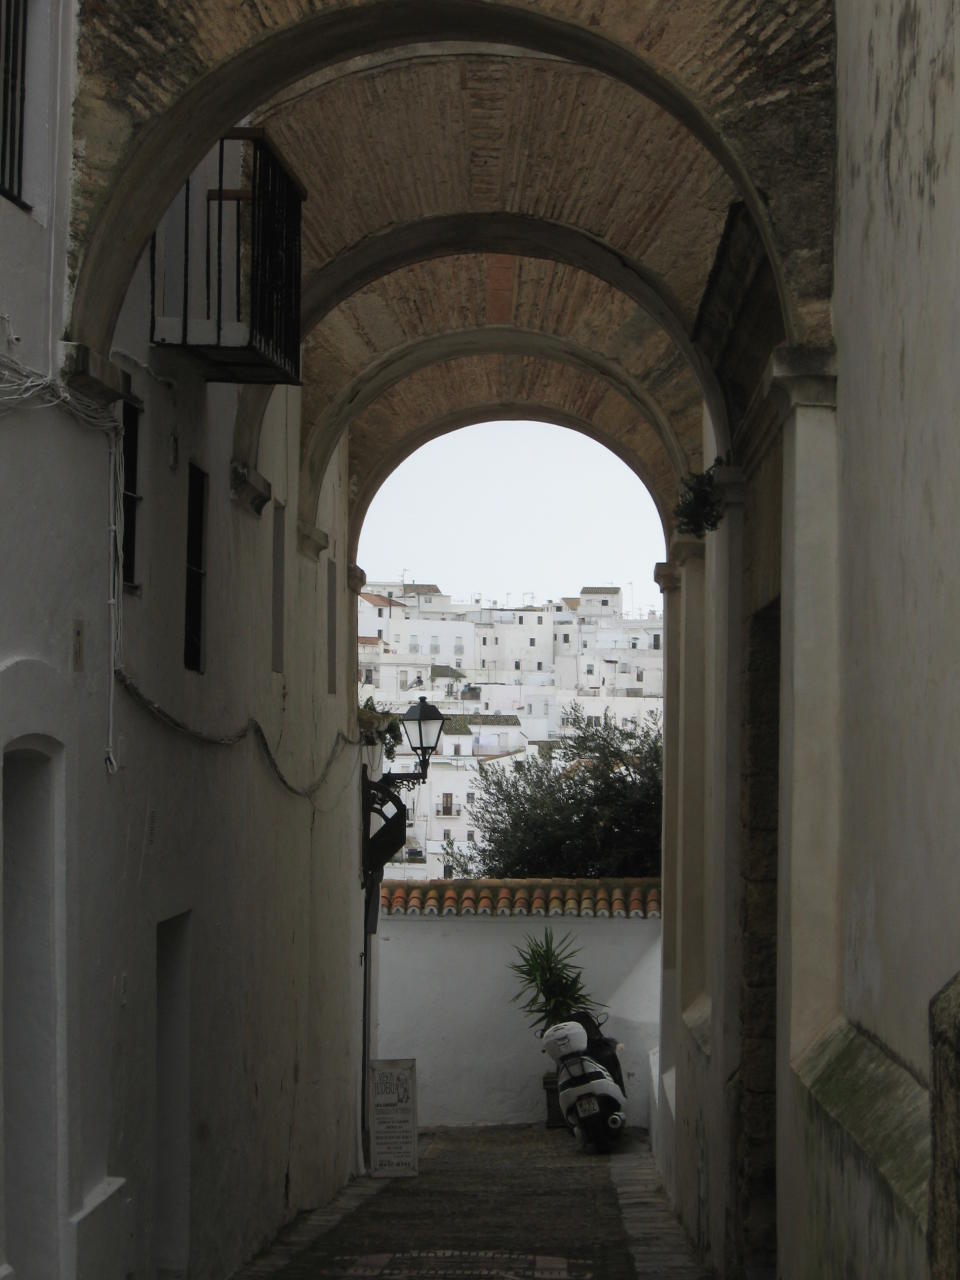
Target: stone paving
502,1203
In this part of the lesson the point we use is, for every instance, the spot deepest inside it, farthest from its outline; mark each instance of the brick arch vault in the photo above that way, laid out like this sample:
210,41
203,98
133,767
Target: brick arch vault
207,72
571,212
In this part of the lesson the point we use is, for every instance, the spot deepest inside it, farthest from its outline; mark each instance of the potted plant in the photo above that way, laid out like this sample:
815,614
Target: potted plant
552,991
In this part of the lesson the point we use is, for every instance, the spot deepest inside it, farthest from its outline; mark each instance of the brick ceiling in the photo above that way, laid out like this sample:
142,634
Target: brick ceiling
511,207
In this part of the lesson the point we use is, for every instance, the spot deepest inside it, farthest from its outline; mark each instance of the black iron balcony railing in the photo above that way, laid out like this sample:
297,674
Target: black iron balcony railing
13,84
225,265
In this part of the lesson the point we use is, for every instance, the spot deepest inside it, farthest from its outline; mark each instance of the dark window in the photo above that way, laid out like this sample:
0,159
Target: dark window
603,602
483,662
279,561
131,497
539,666
633,642
447,803
532,642
379,633
446,833
193,630
469,797
520,619
539,620
516,665
566,637
589,668
484,639
456,748
379,613
13,60
656,640
470,834
331,626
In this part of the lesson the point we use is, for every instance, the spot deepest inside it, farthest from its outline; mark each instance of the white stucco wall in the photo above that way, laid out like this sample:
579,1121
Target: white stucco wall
898,331
270,1002
443,996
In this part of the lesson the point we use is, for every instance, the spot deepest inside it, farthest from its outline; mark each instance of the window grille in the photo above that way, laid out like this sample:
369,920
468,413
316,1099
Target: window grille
193,631
131,498
13,84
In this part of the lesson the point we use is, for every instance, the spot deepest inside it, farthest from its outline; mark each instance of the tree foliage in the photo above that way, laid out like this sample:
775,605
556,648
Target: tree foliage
591,807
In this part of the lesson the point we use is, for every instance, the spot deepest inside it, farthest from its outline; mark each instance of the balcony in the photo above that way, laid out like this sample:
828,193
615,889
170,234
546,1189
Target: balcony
225,265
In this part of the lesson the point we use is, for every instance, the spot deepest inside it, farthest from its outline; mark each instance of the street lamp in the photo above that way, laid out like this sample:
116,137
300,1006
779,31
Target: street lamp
423,725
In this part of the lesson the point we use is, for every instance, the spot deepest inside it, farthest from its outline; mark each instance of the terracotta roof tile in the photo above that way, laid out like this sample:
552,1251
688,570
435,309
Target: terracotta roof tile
604,898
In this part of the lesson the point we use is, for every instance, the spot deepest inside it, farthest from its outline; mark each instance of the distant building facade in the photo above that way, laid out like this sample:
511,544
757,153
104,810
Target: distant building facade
504,677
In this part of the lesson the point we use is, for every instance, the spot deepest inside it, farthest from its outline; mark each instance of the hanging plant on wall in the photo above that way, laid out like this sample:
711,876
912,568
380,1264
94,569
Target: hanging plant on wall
701,503
379,728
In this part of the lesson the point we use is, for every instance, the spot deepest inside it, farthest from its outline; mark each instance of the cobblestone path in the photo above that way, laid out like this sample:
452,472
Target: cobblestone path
502,1203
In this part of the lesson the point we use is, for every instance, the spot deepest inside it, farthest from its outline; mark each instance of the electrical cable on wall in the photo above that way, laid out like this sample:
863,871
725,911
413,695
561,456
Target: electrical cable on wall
252,726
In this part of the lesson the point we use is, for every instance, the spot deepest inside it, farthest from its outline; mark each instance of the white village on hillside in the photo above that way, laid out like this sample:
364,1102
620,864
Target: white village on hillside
503,677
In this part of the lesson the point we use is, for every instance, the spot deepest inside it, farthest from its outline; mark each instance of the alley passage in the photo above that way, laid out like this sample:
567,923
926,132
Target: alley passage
503,1203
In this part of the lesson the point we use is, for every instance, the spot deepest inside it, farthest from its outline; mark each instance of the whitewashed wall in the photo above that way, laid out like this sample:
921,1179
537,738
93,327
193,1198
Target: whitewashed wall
442,995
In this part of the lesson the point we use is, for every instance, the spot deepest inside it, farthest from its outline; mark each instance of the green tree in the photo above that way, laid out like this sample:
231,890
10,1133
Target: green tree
460,863
591,806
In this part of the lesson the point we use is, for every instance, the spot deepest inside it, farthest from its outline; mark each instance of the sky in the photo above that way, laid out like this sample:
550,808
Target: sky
524,512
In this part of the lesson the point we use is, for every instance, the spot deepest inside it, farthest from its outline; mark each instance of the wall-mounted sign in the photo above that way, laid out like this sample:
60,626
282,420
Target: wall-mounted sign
393,1118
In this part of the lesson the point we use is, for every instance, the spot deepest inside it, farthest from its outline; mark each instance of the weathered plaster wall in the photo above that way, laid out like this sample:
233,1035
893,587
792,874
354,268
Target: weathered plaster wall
898,328
854,1138
271,884
443,993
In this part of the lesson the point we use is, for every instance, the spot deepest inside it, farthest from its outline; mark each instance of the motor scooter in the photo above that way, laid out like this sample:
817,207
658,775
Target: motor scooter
589,1079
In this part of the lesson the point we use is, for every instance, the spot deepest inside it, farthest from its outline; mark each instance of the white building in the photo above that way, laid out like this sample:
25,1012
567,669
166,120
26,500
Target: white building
504,678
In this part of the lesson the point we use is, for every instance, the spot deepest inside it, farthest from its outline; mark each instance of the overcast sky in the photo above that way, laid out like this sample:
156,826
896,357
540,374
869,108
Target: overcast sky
524,512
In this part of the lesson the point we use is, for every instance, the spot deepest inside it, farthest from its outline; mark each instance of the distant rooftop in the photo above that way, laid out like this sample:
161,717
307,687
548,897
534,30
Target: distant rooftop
456,727
494,718
600,591
421,589
380,601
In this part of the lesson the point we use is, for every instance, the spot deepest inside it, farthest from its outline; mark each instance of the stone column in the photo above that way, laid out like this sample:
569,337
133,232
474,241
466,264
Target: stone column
723,831
809,834
809,970
668,580
688,553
